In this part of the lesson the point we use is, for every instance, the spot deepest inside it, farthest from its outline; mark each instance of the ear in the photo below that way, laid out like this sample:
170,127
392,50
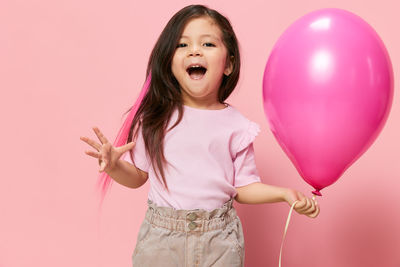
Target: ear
229,66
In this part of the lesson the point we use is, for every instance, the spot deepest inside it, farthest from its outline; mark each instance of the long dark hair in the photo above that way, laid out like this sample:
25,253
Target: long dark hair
164,93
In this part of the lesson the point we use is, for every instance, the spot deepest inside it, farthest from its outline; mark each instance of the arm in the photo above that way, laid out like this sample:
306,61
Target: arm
127,174
258,193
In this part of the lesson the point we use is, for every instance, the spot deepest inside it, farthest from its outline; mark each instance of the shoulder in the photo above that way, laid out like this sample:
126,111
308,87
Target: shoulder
242,121
246,130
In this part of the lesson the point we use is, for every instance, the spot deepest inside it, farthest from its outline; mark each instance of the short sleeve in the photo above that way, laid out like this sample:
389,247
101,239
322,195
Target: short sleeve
139,154
244,163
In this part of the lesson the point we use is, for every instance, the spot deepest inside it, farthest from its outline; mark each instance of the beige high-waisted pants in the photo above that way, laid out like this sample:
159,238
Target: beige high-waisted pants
189,238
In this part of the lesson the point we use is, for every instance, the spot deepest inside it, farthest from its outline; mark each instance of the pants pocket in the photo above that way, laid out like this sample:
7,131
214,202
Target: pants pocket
225,247
234,233
157,248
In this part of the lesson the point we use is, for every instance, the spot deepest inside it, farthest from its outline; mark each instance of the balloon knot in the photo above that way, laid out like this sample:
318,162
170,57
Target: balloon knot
317,193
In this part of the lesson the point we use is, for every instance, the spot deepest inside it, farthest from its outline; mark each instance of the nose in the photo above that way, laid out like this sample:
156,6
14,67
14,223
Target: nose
194,51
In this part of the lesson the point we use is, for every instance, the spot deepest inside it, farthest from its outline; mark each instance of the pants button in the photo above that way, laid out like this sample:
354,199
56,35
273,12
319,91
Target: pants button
191,216
192,225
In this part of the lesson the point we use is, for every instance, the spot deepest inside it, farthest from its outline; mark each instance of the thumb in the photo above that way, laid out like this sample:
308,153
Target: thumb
127,147
131,145
291,196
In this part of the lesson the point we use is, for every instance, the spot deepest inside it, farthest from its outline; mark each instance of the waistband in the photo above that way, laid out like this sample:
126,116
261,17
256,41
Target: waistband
195,220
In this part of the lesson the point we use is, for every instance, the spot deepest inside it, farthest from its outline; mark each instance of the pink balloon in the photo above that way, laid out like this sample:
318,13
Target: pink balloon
327,91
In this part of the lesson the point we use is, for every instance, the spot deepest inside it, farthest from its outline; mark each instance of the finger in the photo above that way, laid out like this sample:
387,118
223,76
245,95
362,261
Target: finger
305,207
300,197
103,165
100,135
315,213
96,155
127,147
312,208
93,154
131,144
92,143
106,152
122,149
301,204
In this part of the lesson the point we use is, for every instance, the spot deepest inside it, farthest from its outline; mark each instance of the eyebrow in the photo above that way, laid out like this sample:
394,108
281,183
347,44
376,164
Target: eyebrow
203,35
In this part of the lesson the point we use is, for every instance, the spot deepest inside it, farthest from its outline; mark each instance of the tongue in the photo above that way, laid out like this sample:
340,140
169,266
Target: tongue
196,74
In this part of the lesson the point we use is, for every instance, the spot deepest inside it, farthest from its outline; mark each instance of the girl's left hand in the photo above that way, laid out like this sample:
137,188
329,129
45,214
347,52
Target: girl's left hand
306,206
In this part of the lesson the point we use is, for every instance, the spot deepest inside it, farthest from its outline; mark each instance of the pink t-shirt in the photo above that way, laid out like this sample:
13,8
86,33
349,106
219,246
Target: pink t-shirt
211,153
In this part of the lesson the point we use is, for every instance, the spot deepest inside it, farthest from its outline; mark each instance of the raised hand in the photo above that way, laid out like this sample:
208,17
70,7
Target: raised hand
106,153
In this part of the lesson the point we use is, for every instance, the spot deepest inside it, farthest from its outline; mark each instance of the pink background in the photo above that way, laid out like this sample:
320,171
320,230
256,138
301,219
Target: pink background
66,66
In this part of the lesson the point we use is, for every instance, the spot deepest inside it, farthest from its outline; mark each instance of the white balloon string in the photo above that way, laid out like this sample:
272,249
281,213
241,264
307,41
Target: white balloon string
286,227
284,233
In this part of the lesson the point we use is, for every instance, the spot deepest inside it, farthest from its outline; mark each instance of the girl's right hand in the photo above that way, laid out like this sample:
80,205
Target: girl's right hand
107,154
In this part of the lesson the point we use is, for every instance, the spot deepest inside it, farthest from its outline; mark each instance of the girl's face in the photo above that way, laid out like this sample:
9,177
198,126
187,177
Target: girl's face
199,62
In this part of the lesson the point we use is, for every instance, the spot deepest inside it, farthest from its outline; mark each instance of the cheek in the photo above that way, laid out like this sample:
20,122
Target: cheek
219,60
176,64
174,67
220,64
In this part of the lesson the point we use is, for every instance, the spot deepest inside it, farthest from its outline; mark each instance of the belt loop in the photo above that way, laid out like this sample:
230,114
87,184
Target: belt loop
151,215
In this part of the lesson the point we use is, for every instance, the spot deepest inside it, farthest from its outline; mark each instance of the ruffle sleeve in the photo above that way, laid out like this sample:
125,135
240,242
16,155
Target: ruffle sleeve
250,134
244,163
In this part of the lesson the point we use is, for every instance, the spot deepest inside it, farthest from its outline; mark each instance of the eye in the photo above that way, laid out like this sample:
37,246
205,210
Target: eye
181,45
209,44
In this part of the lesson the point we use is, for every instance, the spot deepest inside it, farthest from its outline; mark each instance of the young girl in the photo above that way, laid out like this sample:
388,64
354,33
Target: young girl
195,149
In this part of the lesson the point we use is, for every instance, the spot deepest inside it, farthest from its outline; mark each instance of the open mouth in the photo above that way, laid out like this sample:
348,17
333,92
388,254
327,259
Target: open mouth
196,72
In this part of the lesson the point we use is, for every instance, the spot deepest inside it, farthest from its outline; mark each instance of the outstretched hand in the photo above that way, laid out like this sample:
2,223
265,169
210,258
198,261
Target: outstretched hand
305,205
107,154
